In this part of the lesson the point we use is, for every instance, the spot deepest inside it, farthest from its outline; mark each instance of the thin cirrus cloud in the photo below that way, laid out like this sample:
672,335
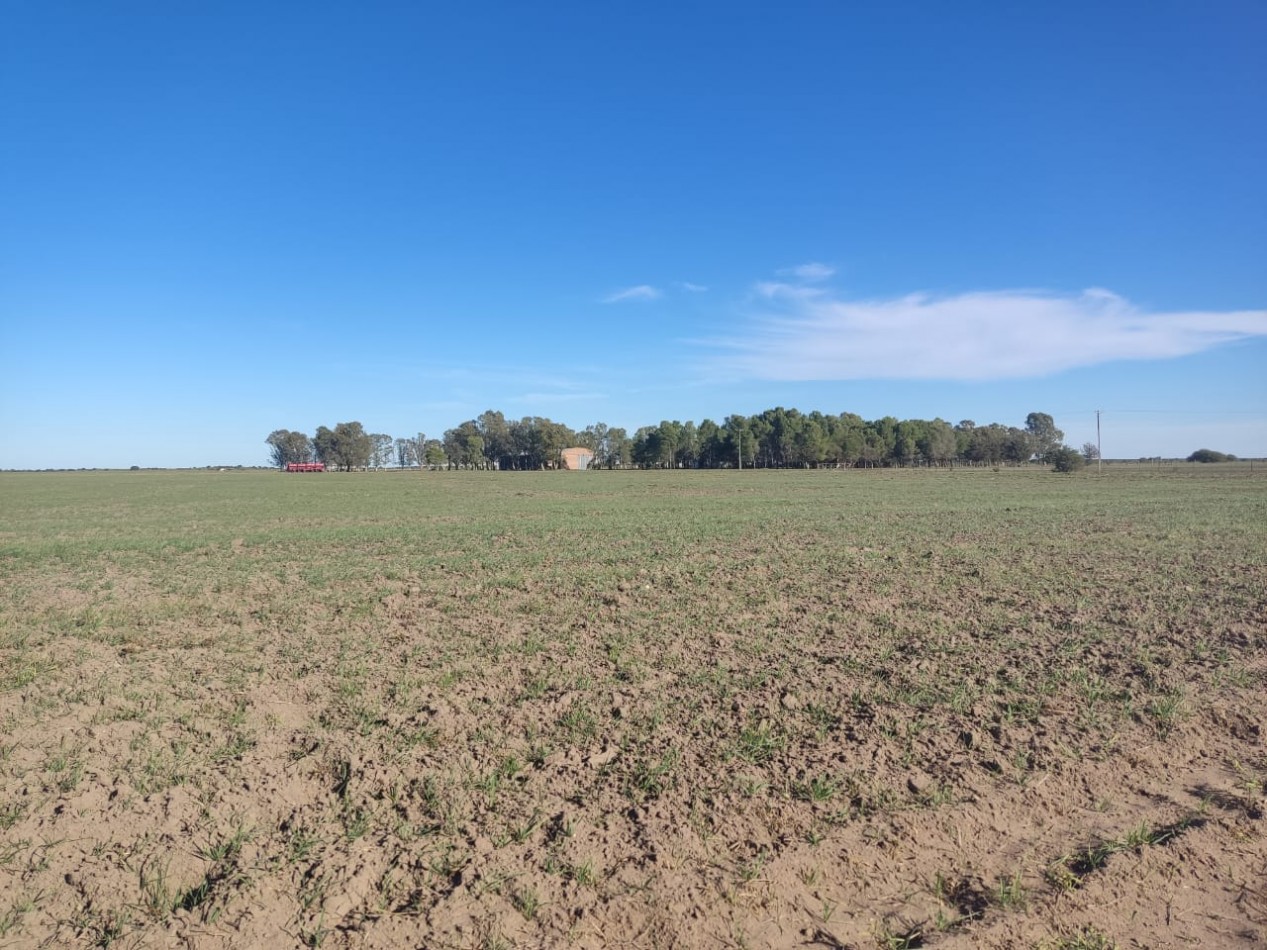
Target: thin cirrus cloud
540,397
806,333
811,272
639,292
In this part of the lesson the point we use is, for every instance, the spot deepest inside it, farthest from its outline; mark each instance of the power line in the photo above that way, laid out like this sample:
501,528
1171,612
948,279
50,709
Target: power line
1167,412
1197,412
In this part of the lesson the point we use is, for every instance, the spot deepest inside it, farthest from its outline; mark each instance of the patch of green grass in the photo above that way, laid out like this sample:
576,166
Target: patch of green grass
758,743
1068,872
11,813
899,935
1089,938
1167,710
580,723
1010,892
229,847
11,919
818,789
236,746
526,901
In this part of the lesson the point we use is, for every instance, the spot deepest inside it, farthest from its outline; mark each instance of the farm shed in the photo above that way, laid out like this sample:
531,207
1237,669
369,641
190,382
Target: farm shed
577,459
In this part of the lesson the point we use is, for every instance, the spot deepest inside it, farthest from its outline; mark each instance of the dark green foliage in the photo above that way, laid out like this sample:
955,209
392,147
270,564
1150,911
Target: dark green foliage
285,447
1066,459
347,446
1209,455
1045,438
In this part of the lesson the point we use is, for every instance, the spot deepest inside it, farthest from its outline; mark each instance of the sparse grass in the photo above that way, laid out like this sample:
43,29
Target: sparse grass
1068,872
1010,892
356,823
899,935
653,776
11,813
1086,939
1167,711
300,843
228,848
526,902
583,873
758,743
11,919
817,789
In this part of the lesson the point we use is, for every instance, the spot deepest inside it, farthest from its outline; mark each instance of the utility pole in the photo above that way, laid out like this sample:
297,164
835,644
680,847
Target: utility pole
1099,453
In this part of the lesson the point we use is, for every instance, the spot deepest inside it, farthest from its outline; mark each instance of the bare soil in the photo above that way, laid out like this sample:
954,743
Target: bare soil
775,727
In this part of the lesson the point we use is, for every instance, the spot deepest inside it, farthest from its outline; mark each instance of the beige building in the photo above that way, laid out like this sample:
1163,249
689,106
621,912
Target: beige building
577,459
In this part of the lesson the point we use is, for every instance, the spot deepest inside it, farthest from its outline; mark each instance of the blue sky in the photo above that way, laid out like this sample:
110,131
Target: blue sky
221,219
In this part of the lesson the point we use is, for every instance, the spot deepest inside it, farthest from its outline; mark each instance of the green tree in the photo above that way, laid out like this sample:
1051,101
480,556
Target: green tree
849,438
687,453
939,444
963,437
881,443
554,438
1019,446
987,444
346,446
670,439
1209,455
537,442
647,447
594,438
495,431
1046,437
619,448
711,445
464,446
433,454
1064,458
285,447
909,434
810,445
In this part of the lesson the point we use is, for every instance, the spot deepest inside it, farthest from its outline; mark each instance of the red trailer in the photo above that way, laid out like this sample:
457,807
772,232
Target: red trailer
305,466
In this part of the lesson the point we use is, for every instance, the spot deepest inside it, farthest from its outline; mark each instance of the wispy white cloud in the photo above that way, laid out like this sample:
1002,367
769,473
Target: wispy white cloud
772,289
811,271
540,397
806,333
692,288
640,292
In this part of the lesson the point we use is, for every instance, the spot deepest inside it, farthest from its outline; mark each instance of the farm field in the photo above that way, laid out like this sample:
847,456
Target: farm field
763,709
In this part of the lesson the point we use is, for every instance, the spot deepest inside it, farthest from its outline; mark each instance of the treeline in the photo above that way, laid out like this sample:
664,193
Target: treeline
776,438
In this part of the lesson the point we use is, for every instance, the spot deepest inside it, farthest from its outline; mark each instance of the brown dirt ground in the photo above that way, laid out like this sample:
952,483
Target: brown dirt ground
733,776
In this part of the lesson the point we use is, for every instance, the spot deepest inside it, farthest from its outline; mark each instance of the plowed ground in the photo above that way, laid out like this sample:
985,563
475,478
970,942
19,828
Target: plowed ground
789,709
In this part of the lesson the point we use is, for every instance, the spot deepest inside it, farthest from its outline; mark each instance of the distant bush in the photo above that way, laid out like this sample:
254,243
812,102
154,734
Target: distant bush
1209,455
1066,459
135,468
